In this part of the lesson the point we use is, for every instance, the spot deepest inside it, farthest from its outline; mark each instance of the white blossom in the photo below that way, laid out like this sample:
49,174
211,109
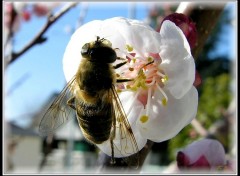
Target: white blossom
161,100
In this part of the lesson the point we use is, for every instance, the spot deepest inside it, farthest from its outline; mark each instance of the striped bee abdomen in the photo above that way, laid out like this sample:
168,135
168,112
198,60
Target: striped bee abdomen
95,120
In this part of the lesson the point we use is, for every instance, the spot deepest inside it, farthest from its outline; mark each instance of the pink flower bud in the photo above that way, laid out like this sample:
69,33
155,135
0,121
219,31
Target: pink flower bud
40,10
206,154
198,79
186,25
26,15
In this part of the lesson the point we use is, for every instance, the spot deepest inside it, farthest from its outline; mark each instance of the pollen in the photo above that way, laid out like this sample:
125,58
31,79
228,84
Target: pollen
131,69
129,48
164,79
164,102
150,59
144,118
134,60
119,90
128,87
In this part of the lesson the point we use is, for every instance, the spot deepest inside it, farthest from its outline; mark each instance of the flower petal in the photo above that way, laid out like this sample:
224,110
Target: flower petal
120,31
166,121
177,61
72,55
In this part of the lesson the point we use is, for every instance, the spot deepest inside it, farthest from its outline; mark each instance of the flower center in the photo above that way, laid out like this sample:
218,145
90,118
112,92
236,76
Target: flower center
146,75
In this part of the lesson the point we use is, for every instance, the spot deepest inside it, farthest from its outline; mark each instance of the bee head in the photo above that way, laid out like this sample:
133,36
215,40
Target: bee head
99,51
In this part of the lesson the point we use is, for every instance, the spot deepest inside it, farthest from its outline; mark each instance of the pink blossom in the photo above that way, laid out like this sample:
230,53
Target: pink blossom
26,15
205,154
198,79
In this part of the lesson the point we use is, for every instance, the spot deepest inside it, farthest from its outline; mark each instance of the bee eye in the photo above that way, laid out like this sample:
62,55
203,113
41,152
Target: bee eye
85,49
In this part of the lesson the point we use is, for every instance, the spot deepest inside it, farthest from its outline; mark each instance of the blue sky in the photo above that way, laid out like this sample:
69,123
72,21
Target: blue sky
42,64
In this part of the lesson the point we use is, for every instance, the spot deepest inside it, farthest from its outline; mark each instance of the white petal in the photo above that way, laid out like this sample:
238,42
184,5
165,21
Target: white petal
177,61
119,31
181,74
72,55
166,122
88,33
144,39
137,34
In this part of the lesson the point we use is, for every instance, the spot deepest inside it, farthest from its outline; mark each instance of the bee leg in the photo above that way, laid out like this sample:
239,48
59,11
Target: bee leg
112,136
124,80
119,65
112,157
71,103
120,58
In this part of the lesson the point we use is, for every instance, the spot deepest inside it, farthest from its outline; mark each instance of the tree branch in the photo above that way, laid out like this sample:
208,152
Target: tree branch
10,27
39,38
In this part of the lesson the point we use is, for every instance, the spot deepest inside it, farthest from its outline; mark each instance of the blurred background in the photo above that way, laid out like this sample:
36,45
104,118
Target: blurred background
32,79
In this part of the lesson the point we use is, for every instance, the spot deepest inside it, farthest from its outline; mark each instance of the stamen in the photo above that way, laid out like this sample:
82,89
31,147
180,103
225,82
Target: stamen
152,82
127,54
128,86
161,74
134,60
119,90
131,69
144,118
164,79
129,48
148,100
151,71
150,59
165,99
164,102
132,104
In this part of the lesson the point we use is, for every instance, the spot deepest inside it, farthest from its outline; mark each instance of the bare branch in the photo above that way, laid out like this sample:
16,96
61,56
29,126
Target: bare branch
39,38
10,27
199,128
18,83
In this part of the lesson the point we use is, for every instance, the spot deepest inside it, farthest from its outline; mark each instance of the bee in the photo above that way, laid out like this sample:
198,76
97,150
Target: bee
92,96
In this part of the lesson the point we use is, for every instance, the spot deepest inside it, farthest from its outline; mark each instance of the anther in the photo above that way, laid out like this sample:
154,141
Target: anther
129,48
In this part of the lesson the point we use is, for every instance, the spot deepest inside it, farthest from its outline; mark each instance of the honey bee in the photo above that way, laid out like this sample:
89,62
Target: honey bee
92,96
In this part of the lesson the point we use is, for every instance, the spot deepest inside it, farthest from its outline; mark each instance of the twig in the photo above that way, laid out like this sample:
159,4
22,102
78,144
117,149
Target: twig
18,83
199,128
10,27
82,15
39,37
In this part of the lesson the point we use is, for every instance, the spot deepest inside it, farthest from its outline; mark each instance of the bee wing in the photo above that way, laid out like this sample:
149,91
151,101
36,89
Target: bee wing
59,112
123,133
